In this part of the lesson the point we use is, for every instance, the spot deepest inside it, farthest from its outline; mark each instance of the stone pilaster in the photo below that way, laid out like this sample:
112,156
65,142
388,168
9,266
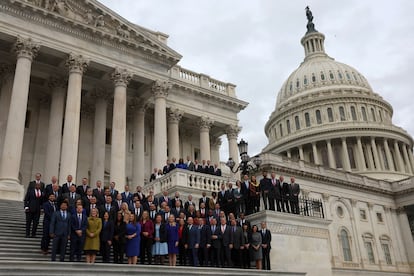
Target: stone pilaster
138,175
388,154
160,90
77,65
361,163
174,117
26,51
232,135
215,150
121,78
345,156
205,124
331,158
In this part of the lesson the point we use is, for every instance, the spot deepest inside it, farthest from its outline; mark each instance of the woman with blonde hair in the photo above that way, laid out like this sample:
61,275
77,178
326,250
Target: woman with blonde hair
93,230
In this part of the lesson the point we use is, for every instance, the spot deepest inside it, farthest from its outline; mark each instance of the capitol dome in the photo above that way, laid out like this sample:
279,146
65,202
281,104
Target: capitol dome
326,113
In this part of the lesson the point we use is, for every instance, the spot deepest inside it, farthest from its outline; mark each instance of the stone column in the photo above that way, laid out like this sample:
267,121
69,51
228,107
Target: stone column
388,154
370,157
399,161
121,78
54,136
205,124
345,156
410,155
138,169
375,152
301,155
6,82
331,158
101,98
41,142
232,134
174,117
159,153
77,65
215,150
406,159
362,164
26,50
315,154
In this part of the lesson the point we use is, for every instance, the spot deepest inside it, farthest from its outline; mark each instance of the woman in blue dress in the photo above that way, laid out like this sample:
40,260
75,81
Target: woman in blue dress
159,248
133,238
172,240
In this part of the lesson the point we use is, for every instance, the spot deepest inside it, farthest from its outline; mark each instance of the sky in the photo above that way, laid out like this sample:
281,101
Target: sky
255,44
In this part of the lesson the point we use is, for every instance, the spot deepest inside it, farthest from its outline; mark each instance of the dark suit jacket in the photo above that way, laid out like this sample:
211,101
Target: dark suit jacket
209,169
193,237
48,211
275,189
187,204
222,199
141,197
161,199
107,231
174,200
32,202
127,199
32,185
205,236
74,222
198,168
266,238
217,172
152,177
171,167
79,190
139,215
114,193
60,226
226,237
65,188
99,195
265,184
237,239
190,166
286,190
295,189
207,202
216,243
70,200
166,169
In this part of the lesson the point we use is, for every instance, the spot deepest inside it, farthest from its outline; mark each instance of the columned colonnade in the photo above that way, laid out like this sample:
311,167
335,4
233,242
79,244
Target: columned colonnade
65,109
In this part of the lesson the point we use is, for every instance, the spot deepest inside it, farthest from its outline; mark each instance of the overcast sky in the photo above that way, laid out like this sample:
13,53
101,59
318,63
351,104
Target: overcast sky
255,44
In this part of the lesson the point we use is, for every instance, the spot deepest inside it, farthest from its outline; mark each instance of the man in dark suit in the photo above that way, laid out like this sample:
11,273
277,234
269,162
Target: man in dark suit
38,180
205,242
173,164
222,197
81,189
78,224
175,199
66,186
209,168
106,237
245,204
265,188
164,198
71,196
49,207
112,190
189,202
230,201
226,243
153,175
93,205
166,168
137,210
242,220
48,188
294,198
198,167
57,191
275,194
127,195
204,198
60,230
192,242
217,170
32,205
286,193
99,192
109,207
141,197
237,242
266,240
190,164
215,243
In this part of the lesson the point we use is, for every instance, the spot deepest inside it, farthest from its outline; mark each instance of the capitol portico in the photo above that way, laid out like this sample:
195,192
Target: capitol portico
105,98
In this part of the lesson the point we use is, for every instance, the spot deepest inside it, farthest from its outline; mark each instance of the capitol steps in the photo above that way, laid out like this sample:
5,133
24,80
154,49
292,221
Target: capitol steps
22,256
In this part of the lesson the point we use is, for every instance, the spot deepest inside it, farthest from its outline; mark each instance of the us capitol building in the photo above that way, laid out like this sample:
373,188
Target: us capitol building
87,93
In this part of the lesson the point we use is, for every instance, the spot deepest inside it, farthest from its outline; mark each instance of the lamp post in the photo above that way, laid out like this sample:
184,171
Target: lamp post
247,164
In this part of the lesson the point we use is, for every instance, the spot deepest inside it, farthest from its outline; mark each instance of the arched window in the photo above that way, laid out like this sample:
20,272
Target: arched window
385,245
368,241
313,78
297,123
364,114
339,75
288,126
307,119
318,117
330,114
380,115
305,81
342,113
346,246
281,130
322,76
331,75
373,115
297,83
353,113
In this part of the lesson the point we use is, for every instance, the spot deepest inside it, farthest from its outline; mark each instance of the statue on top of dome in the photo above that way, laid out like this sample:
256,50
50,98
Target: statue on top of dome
310,26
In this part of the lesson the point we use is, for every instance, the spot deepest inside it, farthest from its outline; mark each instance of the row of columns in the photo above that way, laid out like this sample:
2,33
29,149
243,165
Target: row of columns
404,162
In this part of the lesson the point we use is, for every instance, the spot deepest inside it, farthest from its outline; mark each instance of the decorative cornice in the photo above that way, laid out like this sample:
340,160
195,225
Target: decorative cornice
233,131
161,88
77,63
174,116
57,82
26,48
121,77
205,123
297,230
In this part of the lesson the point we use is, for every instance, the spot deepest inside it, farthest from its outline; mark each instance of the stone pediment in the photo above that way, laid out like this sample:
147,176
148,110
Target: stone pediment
100,21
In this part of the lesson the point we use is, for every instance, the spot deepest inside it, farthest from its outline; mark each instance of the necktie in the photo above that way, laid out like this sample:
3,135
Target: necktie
56,194
64,215
37,193
213,229
234,229
108,207
80,220
73,196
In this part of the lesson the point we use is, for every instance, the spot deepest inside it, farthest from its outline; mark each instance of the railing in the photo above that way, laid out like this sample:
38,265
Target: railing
202,80
311,207
179,178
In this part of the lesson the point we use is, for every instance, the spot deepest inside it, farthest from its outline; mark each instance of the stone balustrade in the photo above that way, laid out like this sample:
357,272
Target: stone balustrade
185,180
203,81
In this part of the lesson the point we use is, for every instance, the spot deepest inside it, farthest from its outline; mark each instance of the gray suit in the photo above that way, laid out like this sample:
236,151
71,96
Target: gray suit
60,228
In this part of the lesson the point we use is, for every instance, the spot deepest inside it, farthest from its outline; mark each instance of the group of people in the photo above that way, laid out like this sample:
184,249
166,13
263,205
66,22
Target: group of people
188,164
144,228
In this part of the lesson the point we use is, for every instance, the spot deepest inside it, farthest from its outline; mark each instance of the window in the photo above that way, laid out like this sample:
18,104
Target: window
330,115
340,211
288,126
108,136
339,75
353,113
342,113
297,123
370,252
348,76
322,76
290,87
307,119
318,117
379,217
281,130
373,115
346,246
331,75
305,81
362,214
364,114
380,115
386,249
313,78
297,83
